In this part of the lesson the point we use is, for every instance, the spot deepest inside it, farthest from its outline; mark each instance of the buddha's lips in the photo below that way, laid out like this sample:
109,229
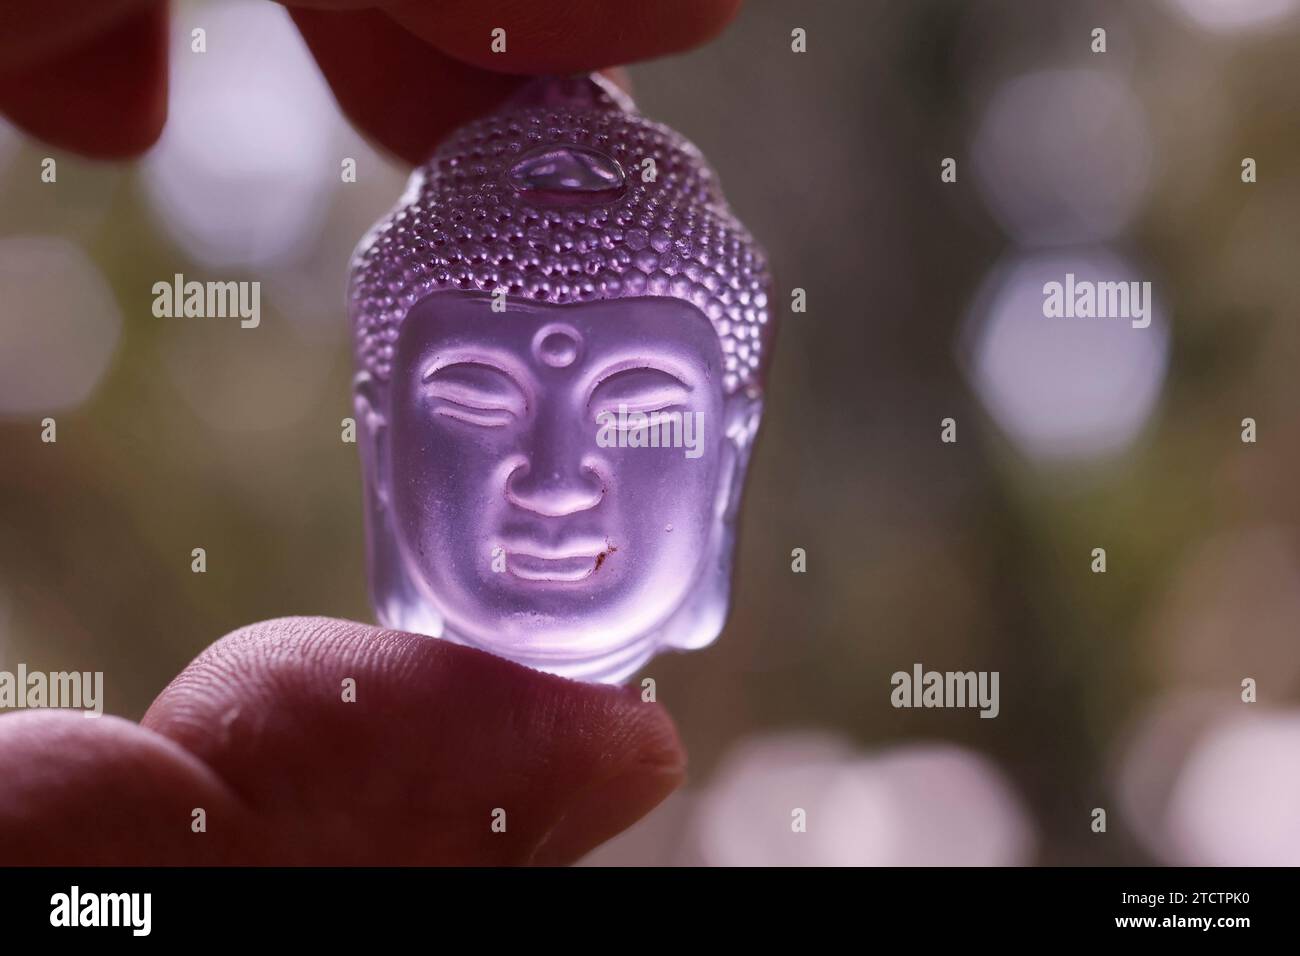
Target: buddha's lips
531,567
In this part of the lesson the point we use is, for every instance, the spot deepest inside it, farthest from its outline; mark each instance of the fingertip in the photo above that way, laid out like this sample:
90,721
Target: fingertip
105,98
402,93
562,36
418,744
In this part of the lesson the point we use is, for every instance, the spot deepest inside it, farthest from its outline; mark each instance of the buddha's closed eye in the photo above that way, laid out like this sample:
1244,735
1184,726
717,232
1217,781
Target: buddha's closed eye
475,393
641,389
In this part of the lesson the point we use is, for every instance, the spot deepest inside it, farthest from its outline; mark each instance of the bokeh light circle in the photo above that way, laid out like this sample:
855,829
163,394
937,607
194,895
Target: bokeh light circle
60,329
1063,388
242,173
1063,156
913,805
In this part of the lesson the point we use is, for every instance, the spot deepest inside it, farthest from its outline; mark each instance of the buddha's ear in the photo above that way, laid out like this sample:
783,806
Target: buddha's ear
741,412
368,405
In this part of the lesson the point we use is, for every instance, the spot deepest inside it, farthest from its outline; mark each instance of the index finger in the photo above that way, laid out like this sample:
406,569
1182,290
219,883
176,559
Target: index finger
550,36
411,72
562,36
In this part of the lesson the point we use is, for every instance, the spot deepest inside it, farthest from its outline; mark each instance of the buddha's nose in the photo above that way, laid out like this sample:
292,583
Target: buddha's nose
553,490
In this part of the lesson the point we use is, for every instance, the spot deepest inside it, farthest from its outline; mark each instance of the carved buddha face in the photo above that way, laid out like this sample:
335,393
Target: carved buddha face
557,407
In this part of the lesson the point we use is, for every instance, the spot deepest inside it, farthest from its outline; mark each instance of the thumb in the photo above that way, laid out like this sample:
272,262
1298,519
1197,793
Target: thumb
351,744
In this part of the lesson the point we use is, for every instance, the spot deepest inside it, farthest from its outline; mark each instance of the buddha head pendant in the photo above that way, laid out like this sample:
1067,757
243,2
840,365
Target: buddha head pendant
561,333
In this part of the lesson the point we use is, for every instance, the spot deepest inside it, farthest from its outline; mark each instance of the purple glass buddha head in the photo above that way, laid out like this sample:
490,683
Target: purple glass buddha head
561,333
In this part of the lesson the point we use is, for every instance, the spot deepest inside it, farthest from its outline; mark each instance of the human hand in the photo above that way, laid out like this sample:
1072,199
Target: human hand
91,75
256,733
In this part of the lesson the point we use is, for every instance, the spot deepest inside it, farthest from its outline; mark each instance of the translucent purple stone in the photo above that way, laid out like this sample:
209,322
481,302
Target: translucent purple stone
560,337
